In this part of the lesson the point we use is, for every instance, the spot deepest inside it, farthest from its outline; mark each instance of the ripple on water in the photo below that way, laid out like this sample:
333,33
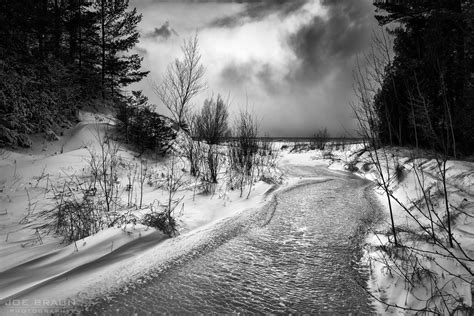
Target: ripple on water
302,261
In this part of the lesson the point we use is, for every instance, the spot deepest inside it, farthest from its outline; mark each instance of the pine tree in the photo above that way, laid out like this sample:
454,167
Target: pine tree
426,94
50,61
118,34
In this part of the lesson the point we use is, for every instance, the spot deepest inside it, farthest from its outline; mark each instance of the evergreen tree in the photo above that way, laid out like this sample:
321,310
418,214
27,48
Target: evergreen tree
144,127
426,96
50,61
118,35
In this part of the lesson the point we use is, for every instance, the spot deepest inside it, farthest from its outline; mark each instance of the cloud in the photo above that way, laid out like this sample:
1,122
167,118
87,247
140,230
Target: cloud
312,85
250,72
319,46
165,31
324,42
258,9
290,60
331,41
236,73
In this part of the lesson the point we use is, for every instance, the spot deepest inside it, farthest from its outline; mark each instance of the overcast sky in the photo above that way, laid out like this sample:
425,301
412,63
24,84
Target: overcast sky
291,61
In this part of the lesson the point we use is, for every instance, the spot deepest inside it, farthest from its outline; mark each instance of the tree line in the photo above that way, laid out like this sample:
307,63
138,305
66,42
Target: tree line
419,95
425,99
59,55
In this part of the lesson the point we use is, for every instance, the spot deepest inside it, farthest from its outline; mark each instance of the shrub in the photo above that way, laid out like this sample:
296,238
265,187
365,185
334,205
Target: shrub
174,181
89,202
75,215
211,123
242,152
161,221
213,163
320,139
351,166
142,126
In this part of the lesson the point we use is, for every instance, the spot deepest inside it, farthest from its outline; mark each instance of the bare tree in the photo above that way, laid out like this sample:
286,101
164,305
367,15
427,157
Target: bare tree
242,153
183,81
144,171
367,82
192,150
104,165
212,123
131,177
212,166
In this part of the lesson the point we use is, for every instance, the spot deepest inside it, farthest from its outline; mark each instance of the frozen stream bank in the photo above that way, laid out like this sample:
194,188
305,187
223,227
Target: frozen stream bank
302,255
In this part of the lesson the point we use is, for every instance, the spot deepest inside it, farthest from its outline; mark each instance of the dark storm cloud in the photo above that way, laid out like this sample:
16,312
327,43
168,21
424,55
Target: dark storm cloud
165,31
325,45
266,75
298,77
237,73
245,73
258,9
330,42
254,9
318,84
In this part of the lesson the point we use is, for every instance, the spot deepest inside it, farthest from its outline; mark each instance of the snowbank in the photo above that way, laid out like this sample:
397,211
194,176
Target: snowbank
40,275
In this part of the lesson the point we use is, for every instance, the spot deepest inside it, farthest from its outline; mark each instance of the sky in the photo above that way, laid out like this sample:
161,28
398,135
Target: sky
290,62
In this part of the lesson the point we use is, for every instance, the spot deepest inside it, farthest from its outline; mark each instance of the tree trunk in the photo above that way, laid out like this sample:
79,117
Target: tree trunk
102,22
57,28
79,32
459,69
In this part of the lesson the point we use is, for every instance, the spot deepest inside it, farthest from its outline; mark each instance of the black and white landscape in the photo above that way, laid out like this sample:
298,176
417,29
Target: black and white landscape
228,157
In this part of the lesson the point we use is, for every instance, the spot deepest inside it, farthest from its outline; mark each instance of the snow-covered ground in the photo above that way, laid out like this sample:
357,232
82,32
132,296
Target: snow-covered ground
39,274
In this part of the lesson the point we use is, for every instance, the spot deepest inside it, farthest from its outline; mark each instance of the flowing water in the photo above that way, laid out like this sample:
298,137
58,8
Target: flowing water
302,255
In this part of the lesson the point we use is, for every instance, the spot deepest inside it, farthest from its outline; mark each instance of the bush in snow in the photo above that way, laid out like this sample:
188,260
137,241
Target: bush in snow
212,161
74,217
320,139
190,149
142,126
87,203
266,162
242,152
174,181
161,221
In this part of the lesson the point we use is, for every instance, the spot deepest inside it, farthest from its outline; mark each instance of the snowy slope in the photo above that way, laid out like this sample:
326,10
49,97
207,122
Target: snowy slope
36,268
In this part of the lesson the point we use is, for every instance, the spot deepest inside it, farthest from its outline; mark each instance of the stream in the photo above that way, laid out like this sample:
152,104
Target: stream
302,255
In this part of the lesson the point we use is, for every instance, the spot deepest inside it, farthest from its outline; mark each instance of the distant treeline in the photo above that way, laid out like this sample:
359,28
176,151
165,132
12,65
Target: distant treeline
59,55
427,89
345,140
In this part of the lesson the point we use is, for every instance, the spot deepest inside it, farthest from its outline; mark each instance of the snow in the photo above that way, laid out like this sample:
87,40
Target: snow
36,270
